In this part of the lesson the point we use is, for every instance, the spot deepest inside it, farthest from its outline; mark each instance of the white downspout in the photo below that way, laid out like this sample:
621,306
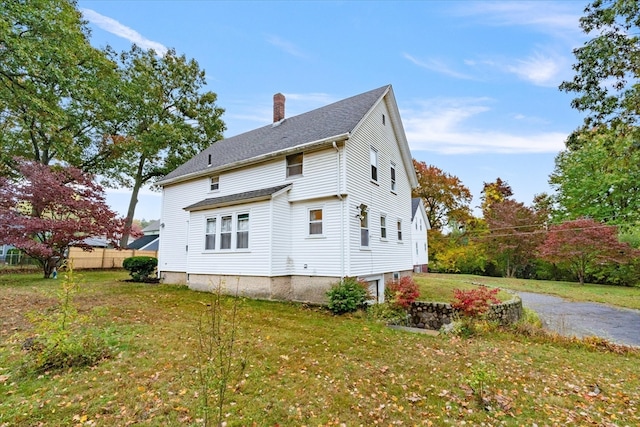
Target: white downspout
339,194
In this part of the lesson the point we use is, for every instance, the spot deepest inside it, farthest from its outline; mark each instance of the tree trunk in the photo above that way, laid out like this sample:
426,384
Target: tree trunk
133,201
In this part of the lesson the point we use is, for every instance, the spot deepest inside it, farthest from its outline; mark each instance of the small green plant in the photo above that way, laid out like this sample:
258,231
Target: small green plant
348,295
479,380
63,338
387,313
217,354
140,267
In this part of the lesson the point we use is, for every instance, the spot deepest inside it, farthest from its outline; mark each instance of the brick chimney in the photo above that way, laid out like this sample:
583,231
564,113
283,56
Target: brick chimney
278,107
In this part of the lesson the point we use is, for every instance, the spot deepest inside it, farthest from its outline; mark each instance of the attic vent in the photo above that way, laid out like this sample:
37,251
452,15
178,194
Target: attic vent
278,107
209,164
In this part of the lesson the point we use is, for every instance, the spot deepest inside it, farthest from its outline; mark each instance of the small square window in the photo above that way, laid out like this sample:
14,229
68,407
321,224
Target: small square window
294,165
214,183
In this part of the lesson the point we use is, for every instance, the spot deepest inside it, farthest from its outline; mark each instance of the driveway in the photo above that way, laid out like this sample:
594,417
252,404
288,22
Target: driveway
618,325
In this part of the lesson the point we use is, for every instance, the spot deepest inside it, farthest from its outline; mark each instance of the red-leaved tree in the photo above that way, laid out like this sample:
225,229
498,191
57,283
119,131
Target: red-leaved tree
582,243
50,208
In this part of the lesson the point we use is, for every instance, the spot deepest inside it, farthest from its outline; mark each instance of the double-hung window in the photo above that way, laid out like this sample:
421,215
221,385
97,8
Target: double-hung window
399,230
383,227
226,228
315,222
294,165
242,232
374,164
364,226
393,177
214,183
210,234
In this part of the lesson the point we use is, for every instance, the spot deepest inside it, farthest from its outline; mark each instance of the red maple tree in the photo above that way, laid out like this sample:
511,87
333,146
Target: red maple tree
582,243
50,208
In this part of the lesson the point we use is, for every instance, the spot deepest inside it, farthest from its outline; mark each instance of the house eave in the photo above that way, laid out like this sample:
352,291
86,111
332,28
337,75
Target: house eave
258,159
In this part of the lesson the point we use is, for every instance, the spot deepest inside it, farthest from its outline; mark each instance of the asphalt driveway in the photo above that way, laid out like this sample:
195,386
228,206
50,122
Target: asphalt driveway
618,325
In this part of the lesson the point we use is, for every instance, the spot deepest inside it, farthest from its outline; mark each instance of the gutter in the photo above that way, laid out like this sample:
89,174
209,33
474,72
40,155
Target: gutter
253,160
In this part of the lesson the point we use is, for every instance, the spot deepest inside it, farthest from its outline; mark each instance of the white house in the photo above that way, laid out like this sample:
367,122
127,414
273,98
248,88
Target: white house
285,210
419,226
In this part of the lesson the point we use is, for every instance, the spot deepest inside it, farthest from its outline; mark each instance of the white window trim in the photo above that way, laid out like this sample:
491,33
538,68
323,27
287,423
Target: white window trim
374,155
384,238
233,248
322,222
287,166
392,178
367,227
399,231
211,183
215,233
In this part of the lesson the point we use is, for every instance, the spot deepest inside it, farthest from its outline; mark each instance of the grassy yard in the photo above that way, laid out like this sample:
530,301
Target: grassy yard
439,287
303,366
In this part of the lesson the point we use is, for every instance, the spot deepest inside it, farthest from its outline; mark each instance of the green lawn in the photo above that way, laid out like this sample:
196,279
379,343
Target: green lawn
440,287
304,366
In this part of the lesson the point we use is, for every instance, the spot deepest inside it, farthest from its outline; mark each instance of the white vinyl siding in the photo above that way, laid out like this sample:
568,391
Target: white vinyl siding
382,257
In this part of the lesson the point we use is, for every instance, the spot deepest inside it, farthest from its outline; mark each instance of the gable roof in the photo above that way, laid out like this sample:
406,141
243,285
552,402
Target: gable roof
334,121
232,199
144,241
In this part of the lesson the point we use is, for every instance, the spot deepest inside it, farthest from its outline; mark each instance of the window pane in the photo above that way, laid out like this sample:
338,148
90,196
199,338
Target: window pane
225,232
210,241
211,226
364,237
294,164
315,228
374,165
383,227
215,183
242,236
399,230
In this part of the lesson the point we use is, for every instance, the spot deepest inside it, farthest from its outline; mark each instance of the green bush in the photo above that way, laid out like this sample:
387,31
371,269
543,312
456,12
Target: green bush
140,267
347,296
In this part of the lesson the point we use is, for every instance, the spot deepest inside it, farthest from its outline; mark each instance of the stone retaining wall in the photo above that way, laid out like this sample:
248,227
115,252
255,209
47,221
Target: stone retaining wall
434,315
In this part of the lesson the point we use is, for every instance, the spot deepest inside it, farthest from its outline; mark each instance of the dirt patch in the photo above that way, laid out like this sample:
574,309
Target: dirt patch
15,306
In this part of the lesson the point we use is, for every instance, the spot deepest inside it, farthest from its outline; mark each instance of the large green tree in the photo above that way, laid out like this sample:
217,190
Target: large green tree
164,117
54,86
600,178
606,79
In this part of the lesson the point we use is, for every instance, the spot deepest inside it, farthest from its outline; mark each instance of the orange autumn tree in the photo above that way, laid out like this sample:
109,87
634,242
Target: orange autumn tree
445,198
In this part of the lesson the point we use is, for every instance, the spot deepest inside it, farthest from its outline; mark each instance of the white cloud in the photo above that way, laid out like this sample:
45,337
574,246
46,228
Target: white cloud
549,17
285,45
437,66
440,125
112,26
539,69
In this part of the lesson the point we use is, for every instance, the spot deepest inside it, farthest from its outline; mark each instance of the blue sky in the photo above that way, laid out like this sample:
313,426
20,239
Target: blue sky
476,82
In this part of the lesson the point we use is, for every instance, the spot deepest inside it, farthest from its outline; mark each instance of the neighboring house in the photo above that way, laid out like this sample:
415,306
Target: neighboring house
150,239
419,227
285,210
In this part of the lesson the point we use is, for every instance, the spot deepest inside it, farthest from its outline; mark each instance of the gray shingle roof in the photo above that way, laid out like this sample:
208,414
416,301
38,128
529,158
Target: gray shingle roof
247,196
415,202
332,120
